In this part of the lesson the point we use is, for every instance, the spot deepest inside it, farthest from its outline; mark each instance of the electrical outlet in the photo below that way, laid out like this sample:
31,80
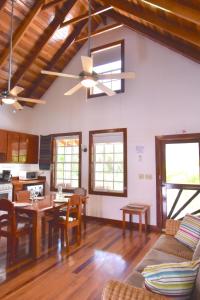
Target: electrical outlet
141,176
148,176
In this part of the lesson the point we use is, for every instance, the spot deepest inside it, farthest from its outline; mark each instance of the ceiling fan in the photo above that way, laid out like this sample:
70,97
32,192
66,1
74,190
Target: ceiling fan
88,78
10,96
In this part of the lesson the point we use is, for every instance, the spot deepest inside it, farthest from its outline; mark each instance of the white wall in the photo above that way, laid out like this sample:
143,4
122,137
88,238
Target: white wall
163,99
19,121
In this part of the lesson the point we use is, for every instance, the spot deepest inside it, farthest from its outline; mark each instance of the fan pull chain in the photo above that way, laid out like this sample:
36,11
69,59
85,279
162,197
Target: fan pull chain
11,45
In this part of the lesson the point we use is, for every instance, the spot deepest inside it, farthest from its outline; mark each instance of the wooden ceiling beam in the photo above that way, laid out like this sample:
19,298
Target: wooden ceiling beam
100,31
52,78
2,4
51,4
85,16
70,39
133,12
43,40
175,8
21,30
177,45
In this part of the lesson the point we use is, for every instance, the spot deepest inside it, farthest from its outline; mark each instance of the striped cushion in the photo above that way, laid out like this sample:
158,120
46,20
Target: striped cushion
189,231
175,280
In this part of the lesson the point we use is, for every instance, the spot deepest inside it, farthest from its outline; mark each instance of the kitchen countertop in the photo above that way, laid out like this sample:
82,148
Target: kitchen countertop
16,181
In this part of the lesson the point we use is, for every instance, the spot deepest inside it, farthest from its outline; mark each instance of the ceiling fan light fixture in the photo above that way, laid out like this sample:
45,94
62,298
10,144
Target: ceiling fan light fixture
8,100
88,82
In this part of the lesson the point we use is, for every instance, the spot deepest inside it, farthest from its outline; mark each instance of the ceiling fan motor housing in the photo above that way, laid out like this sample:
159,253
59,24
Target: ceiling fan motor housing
4,94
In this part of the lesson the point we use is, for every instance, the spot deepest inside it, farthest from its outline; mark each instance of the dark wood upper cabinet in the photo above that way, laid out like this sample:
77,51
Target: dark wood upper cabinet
23,148
13,147
33,146
3,145
16,147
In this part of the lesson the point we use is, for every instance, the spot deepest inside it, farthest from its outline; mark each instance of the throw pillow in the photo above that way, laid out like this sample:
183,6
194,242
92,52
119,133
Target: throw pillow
173,279
189,231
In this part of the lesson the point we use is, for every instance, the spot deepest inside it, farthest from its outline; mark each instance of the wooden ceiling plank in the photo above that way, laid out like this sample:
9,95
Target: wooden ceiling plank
2,4
187,50
176,9
51,4
70,39
149,17
21,30
43,40
85,16
77,48
100,31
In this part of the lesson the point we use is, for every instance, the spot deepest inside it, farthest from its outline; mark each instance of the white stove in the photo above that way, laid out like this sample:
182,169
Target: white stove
6,189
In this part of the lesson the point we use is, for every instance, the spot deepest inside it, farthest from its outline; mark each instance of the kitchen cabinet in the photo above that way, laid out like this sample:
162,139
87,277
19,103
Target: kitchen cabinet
23,148
18,147
3,145
13,147
21,185
33,146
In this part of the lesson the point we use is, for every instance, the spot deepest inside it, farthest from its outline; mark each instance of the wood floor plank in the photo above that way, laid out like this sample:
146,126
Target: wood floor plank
103,254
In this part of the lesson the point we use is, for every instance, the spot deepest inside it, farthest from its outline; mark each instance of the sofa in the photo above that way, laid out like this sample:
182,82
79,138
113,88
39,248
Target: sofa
166,250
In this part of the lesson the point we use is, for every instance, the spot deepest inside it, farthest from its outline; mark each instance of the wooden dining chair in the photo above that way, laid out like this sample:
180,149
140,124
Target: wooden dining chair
11,229
72,219
23,196
83,193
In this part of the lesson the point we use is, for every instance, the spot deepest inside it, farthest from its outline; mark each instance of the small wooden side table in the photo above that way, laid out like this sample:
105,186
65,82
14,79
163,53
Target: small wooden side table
131,210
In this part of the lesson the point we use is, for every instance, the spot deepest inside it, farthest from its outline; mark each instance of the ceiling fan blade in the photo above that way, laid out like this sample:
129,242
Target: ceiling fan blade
87,64
105,89
124,75
59,74
17,106
74,89
37,101
16,90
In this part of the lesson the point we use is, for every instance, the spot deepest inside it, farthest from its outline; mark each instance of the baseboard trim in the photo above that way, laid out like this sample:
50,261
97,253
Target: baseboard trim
118,223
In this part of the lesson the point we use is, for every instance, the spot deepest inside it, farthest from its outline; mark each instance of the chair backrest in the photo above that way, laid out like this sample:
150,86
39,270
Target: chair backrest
7,217
74,207
80,191
22,196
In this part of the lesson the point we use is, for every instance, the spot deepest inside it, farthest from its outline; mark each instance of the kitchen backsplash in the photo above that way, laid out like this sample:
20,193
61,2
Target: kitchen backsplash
15,168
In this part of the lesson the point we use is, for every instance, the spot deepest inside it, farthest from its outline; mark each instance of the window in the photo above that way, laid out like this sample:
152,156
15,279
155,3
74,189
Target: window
66,161
108,59
182,163
108,162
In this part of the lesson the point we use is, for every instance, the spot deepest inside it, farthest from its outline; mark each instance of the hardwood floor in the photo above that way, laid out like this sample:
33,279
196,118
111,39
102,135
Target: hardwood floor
103,254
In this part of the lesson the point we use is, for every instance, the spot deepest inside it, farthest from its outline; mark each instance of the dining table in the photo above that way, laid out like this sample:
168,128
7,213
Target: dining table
36,210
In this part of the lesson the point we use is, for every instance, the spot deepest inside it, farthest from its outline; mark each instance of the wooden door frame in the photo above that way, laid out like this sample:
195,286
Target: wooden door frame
160,142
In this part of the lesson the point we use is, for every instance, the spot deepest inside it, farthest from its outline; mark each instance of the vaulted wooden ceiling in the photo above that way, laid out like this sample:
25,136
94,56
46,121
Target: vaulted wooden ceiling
45,32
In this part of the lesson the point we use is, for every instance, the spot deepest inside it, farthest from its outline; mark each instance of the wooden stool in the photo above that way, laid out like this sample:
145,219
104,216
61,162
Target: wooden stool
139,210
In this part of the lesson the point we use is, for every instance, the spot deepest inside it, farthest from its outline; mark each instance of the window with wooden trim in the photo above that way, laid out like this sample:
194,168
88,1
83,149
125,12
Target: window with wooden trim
108,59
66,161
178,176
108,162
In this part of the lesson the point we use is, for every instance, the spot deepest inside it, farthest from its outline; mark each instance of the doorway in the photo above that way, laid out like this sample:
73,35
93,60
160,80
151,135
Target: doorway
177,176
